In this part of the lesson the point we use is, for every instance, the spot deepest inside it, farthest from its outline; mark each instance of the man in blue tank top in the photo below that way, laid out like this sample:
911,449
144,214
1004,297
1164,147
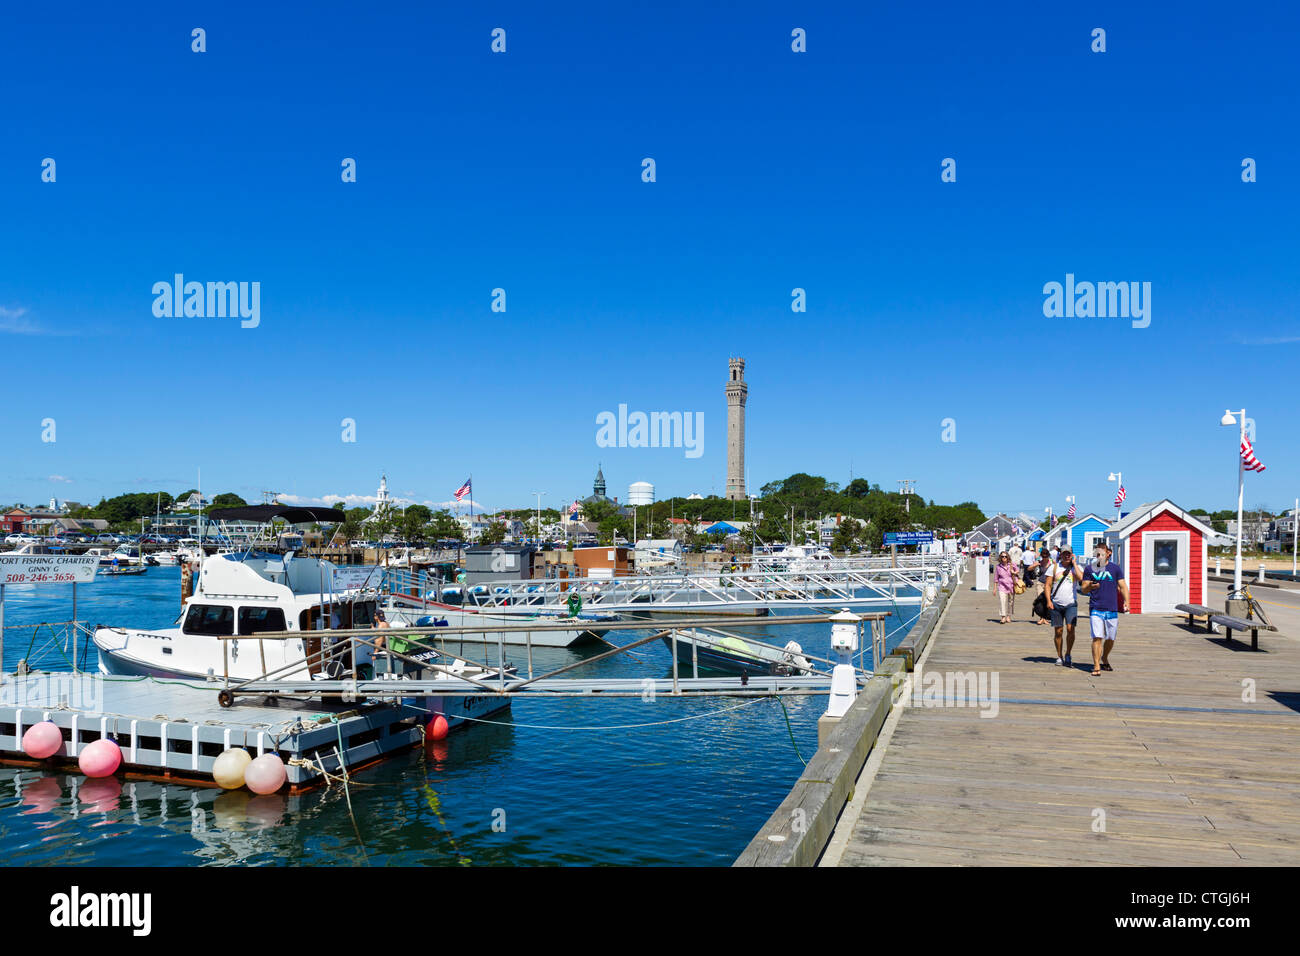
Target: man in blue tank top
1103,582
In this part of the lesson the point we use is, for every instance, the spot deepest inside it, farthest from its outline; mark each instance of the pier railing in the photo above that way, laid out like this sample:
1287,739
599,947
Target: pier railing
684,590
463,674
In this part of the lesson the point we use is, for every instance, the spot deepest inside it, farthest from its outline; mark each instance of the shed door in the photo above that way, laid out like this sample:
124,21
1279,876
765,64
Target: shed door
1164,570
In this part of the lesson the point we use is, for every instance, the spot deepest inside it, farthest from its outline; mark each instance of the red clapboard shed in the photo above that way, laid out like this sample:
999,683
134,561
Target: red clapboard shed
1162,550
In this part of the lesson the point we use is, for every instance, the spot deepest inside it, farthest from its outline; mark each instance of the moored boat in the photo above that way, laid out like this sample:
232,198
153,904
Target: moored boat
238,596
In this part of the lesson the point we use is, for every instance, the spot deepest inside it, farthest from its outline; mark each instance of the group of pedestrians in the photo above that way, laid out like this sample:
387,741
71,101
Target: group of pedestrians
1060,580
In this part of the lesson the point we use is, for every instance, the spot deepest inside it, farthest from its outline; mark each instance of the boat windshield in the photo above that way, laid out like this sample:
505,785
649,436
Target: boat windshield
210,619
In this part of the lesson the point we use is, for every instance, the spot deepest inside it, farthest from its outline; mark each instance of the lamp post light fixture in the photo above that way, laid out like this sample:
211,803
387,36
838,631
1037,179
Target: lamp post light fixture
1229,419
1118,478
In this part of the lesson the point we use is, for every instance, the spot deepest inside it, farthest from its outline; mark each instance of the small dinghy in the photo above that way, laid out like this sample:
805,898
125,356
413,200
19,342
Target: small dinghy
124,569
721,651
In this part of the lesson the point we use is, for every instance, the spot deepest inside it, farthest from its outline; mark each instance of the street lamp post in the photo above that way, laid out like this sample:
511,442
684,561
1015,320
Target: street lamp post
539,494
1228,419
1118,478
1295,535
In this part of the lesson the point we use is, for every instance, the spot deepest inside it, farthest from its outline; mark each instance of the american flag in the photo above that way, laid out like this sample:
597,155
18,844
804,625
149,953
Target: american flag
1120,496
463,490
1069,515
1248,455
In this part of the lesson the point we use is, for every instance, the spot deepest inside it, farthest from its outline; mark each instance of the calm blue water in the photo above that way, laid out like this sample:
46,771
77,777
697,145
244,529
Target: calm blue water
691,792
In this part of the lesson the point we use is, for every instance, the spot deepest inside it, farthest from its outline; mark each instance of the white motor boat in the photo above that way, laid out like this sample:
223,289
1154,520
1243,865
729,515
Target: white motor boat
239,595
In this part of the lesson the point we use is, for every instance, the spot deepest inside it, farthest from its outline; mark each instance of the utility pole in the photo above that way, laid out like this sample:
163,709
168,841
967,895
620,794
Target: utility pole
905,489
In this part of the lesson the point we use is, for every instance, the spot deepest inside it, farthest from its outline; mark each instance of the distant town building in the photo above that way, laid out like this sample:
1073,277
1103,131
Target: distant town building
598,490
191,502
1254,529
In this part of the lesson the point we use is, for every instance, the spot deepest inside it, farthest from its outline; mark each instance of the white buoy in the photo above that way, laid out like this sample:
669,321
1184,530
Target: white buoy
228,768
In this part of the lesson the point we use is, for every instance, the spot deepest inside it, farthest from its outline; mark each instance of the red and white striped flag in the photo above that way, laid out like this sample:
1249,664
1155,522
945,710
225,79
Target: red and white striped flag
463,490
1120,496
1248,455
1069,515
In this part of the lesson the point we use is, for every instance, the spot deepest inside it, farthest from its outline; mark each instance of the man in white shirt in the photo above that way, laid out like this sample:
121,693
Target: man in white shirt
1063,579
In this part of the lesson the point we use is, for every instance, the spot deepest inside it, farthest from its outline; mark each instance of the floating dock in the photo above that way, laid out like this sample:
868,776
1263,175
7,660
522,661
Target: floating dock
174,730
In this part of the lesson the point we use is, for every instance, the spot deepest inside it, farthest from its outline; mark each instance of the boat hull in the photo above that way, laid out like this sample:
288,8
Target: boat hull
458,709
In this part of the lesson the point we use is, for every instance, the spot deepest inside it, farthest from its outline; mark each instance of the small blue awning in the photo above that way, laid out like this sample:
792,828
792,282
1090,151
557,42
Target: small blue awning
721,526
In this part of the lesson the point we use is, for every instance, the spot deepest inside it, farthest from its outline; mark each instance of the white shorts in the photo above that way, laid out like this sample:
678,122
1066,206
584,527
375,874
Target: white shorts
1104,628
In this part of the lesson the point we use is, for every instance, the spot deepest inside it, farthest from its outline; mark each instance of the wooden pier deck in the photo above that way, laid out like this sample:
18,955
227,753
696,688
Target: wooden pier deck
1185,771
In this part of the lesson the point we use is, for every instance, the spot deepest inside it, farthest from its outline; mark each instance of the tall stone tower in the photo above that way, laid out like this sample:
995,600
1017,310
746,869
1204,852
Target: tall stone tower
737,395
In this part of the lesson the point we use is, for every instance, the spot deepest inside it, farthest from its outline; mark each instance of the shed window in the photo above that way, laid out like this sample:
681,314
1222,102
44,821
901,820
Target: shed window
1166,557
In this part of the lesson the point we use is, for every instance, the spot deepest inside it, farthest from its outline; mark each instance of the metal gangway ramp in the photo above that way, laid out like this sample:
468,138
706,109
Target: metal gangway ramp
744,589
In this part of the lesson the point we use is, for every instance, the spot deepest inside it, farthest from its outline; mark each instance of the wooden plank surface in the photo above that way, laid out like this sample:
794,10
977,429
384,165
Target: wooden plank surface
1164,749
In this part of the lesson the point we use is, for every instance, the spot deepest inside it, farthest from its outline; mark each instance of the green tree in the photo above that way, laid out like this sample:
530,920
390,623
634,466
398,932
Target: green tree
444,527
858,488
494,533
849,536
414,522
227,499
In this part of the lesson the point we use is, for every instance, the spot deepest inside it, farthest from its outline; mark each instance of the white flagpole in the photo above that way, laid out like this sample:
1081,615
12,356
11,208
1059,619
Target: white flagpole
1241,497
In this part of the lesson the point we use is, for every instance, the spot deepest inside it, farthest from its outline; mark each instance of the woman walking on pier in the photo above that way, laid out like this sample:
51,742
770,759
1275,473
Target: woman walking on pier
1006,576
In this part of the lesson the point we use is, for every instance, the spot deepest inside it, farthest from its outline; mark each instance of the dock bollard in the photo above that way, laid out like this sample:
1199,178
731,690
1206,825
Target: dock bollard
1261,572
844,678
1218,566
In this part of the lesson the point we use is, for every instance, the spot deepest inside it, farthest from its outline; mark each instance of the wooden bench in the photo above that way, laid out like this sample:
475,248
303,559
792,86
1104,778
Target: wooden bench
1241,624
1197,610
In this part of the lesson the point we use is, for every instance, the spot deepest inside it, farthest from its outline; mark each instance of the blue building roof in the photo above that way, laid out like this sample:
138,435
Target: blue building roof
721,526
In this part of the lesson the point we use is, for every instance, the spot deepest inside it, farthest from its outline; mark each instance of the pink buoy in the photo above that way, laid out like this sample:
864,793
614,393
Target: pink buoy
265,774
42,740
438,728
100,758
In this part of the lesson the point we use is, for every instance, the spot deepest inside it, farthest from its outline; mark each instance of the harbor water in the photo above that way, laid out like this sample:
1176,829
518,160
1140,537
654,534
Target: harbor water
575,781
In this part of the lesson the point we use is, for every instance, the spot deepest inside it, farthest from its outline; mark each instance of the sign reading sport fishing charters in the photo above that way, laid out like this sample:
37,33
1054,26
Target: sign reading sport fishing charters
908,537
346,579
47,568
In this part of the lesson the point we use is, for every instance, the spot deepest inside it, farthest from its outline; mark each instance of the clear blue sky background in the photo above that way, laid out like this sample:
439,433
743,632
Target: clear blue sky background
522,170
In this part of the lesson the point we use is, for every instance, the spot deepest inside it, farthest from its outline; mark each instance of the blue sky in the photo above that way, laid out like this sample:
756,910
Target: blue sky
522,171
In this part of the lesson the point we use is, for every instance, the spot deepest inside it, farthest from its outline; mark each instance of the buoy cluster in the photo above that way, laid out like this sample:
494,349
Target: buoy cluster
231,770
236,768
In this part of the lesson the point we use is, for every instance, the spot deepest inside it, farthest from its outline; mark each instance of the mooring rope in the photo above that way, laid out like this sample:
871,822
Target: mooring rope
791,730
